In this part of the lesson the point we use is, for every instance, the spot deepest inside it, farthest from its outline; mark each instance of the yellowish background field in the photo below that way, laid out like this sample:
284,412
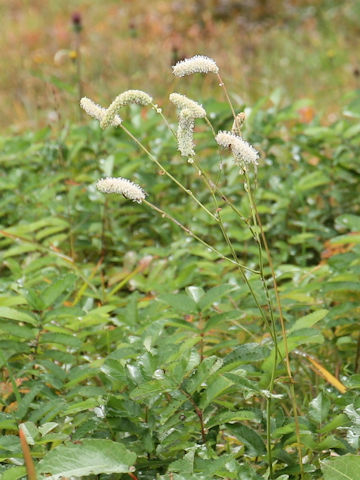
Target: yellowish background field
308,49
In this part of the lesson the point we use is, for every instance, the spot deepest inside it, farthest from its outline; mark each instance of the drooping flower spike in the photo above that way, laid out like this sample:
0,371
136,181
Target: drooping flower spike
181,102
123,186
196,64
126,98
244,153
97,112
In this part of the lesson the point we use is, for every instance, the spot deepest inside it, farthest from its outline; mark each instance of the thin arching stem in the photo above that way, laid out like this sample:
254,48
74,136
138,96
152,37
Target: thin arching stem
284,334
163,169
210,125
192,234
158,110
222,84
229,244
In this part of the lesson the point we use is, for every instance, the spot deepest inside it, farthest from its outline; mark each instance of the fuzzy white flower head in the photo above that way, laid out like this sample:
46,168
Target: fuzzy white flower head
185,133
181,102
197,64
96,111
244,153
126,98
123,186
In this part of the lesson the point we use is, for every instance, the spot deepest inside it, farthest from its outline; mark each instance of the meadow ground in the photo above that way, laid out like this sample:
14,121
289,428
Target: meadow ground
304,49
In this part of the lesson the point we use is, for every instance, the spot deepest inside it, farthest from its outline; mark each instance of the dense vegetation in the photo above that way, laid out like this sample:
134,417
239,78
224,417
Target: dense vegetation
130,350
308,48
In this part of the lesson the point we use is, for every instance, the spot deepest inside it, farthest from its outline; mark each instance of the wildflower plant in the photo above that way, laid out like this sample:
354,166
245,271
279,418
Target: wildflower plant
248,159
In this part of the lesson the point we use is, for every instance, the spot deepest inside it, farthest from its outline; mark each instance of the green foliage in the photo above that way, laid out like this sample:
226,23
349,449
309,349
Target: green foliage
89,457
343,468
127,349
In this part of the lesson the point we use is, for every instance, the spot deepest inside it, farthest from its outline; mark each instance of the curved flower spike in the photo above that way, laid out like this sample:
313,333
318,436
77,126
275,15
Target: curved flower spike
96,111
123,186
196,64
243,152
130,96
181,102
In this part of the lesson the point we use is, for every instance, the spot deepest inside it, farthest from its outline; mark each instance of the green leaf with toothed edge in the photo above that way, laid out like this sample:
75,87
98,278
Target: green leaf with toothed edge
88,457
341,468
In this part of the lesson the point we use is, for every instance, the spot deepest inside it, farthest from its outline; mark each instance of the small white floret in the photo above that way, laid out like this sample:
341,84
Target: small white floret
196,64
123,186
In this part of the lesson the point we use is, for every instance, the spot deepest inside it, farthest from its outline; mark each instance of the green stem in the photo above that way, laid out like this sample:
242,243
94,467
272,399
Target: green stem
210,125
180,185
165,120
284,335
78,70
228,241
222,84
200,240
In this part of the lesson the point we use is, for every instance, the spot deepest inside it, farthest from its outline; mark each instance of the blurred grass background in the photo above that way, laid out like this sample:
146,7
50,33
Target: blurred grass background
299,48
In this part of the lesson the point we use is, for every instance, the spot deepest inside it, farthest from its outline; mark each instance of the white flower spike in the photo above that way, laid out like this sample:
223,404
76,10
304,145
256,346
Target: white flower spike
185,133
181,102
130,96
122,186
197,64
244,153
96,111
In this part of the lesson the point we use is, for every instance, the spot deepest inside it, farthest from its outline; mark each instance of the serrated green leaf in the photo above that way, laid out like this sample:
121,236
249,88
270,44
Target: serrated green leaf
13,473
247,353
61,338
7,421
20,331
216,388
349,221
319,408
344,239
195,293
346,467
302,337
88,457
56,289
185,464
47,427
13,314
239,416
30,431
152,388
311,180
309,320
220,318
213,295
180,302
251,439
